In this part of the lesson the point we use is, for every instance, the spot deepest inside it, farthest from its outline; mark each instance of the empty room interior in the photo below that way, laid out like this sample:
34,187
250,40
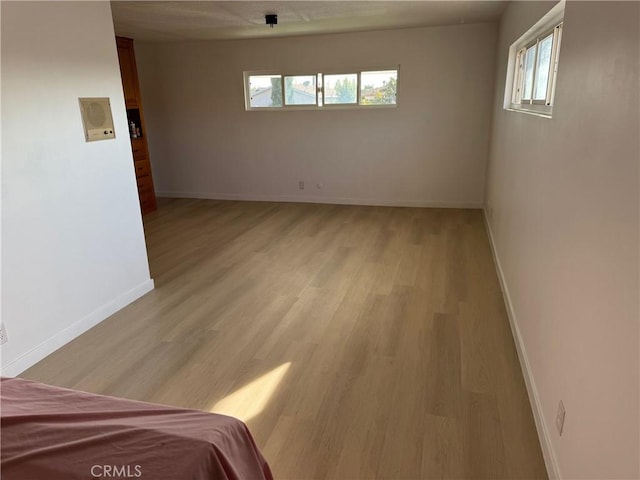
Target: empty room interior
320,240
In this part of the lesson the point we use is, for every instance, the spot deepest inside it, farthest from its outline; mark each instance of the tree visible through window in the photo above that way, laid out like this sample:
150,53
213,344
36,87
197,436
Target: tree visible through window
265,91
379,88
341,89
300,90
276,92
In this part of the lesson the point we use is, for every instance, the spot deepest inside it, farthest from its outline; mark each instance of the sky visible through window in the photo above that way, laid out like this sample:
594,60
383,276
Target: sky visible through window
377,79
261,81
542,70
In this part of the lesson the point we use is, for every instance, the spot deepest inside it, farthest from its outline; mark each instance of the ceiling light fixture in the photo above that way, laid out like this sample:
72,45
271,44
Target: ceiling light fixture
271,19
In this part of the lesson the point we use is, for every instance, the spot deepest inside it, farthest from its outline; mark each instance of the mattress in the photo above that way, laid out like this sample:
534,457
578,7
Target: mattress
52,433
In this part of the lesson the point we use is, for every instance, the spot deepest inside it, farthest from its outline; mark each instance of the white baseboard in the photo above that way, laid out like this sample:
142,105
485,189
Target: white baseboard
316,199
53,343
543,433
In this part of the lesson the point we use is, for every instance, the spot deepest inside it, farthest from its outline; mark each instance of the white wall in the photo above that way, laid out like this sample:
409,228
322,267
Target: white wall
431,150
563,206
73,248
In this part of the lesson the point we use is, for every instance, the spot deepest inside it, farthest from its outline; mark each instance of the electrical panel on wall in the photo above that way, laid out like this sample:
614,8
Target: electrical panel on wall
97,119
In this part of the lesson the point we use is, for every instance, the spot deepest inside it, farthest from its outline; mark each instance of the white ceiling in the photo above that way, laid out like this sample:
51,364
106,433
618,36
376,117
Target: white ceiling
208,20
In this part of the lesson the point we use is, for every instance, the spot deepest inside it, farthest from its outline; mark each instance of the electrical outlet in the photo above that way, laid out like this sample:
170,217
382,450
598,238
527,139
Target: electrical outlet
3,334
560,417
301,185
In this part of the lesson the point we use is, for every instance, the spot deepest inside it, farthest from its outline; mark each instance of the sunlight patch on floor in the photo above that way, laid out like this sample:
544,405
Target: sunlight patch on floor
248,401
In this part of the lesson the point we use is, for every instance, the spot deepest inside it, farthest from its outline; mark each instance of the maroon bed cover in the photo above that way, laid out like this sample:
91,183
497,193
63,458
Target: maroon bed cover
52,433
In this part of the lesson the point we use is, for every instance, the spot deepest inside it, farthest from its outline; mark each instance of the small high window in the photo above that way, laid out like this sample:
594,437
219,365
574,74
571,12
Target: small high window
536,69
364,88
533,66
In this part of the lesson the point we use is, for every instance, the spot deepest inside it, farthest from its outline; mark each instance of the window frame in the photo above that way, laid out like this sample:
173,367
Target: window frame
320,84
550,24
556,37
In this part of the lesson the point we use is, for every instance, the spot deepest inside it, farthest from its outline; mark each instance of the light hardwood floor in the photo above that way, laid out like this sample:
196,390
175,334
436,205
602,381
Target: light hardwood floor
356,342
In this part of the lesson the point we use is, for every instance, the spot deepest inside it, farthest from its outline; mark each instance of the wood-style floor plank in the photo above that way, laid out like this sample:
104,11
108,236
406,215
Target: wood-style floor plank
356,342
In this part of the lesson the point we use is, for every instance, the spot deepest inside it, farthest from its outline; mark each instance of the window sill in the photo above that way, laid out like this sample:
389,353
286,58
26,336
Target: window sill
324,107
535,113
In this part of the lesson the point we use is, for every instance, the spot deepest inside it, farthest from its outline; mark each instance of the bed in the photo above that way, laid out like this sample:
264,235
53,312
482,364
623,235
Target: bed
52,433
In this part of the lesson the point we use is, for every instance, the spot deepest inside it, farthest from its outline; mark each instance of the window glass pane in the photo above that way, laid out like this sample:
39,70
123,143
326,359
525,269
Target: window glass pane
300,90
341,88
542,69
265,91
529,59
378,88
